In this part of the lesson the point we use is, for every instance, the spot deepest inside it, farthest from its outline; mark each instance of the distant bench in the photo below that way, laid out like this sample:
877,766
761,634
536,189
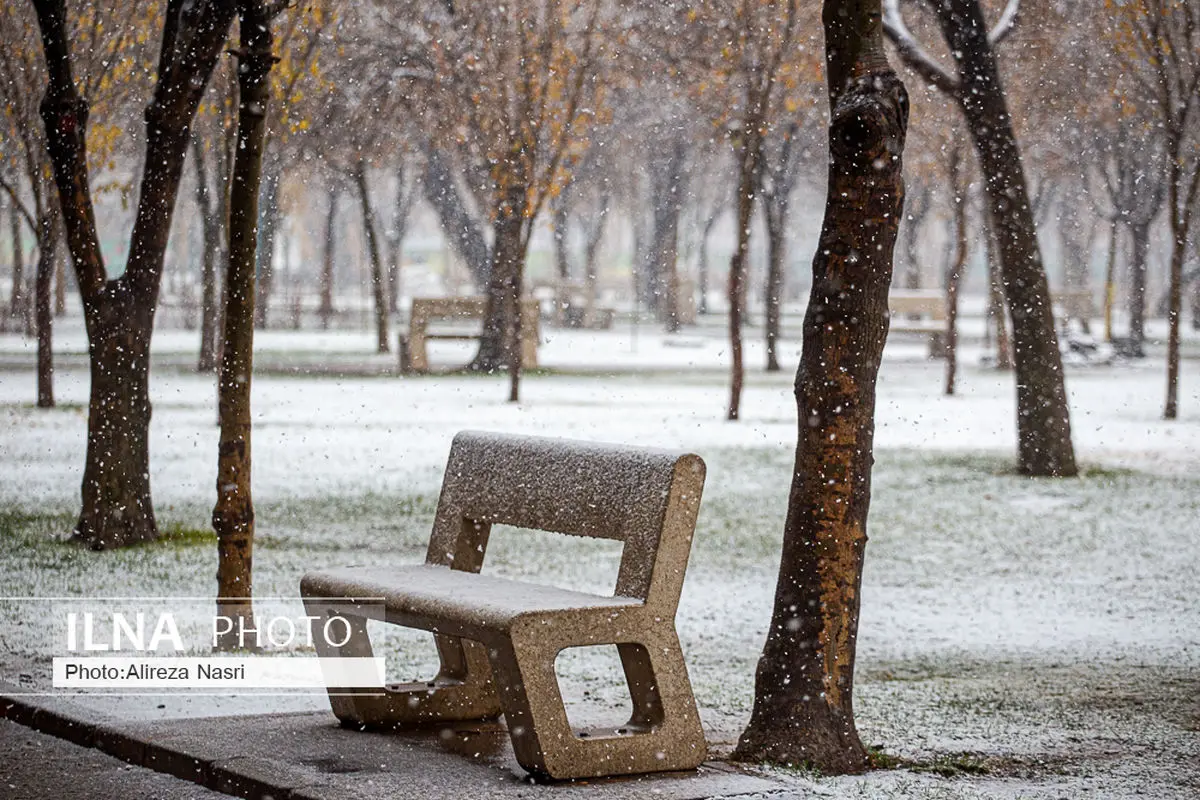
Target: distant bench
929,310
414,356
498,639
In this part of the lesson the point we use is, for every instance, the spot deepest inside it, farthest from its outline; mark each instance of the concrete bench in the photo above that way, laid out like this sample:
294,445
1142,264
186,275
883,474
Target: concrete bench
498,639
929,310
414,356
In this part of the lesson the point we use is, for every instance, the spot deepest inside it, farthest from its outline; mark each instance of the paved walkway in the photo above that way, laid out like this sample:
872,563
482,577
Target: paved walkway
298,757
35,766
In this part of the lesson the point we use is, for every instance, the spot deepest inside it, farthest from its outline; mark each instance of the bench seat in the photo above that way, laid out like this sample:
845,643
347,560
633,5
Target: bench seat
436,598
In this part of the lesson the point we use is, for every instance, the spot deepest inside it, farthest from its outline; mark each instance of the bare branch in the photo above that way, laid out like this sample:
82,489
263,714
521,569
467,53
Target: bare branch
1007,23
911,52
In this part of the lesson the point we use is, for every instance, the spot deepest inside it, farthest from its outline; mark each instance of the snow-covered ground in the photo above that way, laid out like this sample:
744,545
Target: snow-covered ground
1030,637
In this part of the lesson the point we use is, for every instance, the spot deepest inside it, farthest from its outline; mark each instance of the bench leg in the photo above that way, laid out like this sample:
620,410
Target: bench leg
463,689
663,734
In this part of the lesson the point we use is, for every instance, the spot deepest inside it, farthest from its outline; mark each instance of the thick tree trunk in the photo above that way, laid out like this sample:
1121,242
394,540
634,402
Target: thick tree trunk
1139,259
119,314
326,309
233,514
211,227
378,278
1043,415
749,181
803,705
43,308
117,510
504,283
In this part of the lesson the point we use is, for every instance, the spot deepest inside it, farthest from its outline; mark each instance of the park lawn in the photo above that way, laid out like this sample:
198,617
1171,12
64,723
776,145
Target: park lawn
1019,637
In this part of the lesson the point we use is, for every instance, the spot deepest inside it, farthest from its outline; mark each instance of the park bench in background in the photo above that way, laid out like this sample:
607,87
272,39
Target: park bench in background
498,639
1072,305
414,356
917,311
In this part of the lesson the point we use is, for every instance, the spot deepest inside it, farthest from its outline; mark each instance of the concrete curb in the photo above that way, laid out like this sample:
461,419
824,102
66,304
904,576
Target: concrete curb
247,777
221,762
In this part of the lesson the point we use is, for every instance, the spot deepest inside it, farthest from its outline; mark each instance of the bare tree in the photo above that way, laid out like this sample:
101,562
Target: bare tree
803,695
119,313
1043,415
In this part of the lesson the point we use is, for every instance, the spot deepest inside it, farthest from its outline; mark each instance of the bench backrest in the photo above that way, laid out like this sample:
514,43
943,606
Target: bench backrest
930,303
646,499
425,309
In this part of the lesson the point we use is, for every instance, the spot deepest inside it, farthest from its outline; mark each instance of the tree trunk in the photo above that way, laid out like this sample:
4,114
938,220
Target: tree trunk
996,312
1043,415
669,186
776,251
459,224
326,309
913,217
211,227
16,299
709,224
43,308
1110,280
119,314
268,232
1196,303
1174,312
60,287
1140,235
117,510
395,237
233,514
954,275
803,699
749,172
508,258
378,278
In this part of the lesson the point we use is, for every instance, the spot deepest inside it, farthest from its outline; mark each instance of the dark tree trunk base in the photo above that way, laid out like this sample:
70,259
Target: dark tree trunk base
830,745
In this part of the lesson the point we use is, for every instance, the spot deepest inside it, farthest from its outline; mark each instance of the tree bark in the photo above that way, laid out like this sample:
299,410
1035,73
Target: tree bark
776,250
326,309
954,275
709,224
914,215
508,258
43,303
749,182
268,234
460,225
233,514
1043,415
378,278
211,232
1110,280
119,314
16,298
669,187
1139,258
803,709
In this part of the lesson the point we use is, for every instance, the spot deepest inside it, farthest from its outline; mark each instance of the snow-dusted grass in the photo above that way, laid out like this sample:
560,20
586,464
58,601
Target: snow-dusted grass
1029,637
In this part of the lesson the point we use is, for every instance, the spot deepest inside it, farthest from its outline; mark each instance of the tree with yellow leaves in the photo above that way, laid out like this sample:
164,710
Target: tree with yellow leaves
519,85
